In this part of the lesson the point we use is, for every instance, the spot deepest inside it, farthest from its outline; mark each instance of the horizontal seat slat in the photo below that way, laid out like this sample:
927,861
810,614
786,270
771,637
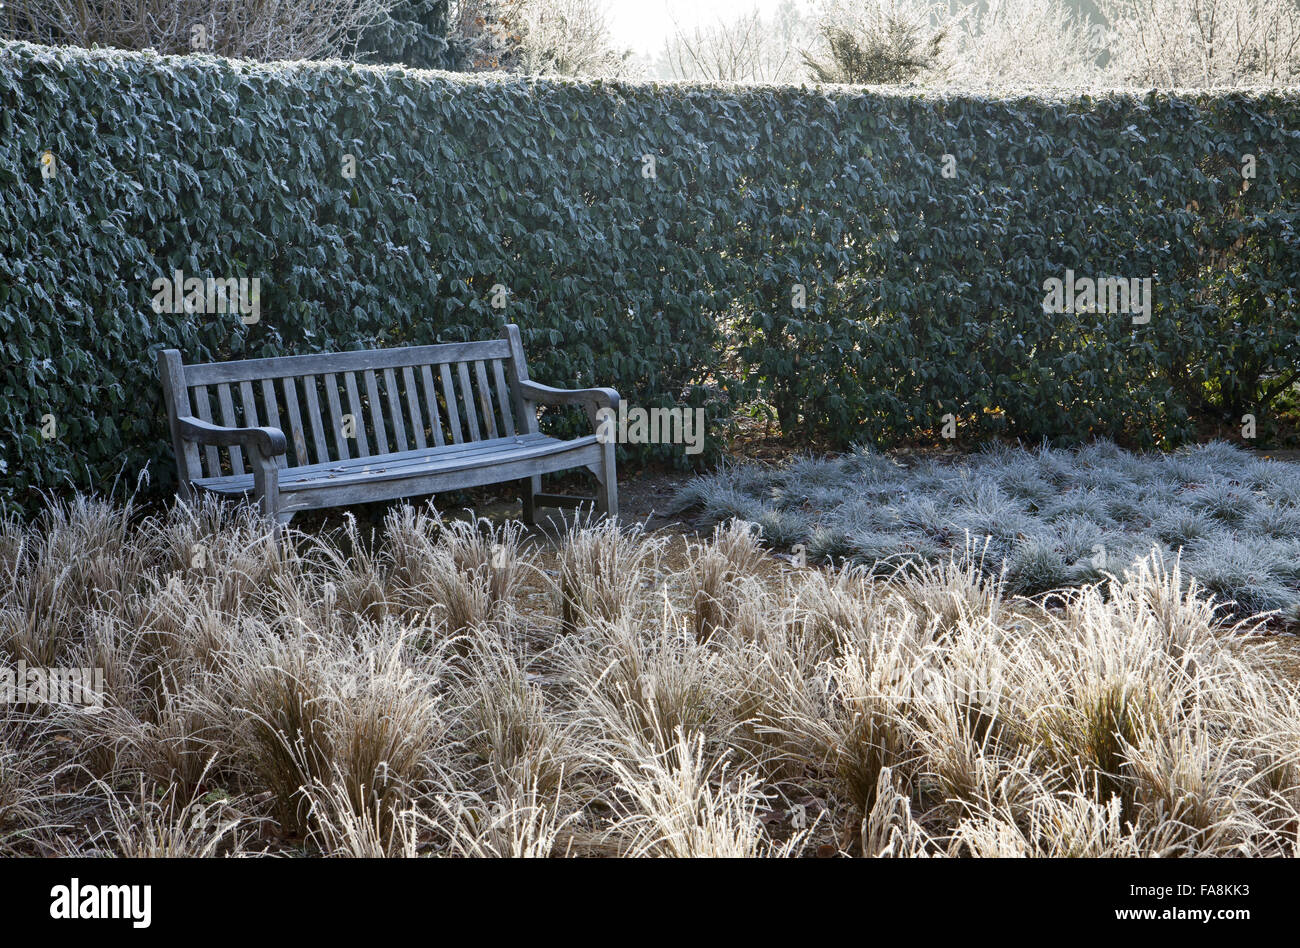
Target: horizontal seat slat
405,463
417,482
212,373
353,465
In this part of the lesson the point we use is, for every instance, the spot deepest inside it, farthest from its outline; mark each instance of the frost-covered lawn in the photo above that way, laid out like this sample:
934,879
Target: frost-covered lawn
1051,517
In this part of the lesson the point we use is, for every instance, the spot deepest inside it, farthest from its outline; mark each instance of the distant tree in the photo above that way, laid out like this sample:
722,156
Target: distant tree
1025,42
749,48
535,37
885,41
1205,42
412,32
567,38
483,35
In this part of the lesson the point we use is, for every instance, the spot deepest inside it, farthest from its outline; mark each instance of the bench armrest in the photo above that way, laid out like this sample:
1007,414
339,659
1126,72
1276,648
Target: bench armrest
592,399
269,441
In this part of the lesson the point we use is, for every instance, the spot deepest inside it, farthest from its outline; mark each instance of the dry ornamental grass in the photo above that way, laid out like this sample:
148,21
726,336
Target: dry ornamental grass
452,688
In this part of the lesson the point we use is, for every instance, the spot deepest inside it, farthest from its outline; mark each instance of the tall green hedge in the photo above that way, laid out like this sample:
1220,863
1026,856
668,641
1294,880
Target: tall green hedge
923,291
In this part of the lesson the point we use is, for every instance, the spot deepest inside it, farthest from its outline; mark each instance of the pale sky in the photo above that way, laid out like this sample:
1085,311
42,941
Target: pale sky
643,25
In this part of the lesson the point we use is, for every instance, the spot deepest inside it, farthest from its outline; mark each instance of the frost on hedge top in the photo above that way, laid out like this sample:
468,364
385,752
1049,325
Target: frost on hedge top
868,261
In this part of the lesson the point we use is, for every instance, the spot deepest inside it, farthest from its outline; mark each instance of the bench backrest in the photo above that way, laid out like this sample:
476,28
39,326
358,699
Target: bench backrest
341,405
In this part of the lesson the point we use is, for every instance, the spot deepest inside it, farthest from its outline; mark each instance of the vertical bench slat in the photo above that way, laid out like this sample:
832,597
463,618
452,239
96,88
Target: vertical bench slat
467,399
485,399
204,411
395,409
503,398
376,411
336,415
449,394
272,414
413,406
314,417
516,372
296,433
358,418
250,405
228,419
431,401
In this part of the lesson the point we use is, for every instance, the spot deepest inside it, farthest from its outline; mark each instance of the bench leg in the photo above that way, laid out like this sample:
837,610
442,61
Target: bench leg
266,486
532,487
607,493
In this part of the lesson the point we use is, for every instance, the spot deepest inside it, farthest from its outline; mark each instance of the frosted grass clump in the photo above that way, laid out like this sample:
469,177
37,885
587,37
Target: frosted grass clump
1051,517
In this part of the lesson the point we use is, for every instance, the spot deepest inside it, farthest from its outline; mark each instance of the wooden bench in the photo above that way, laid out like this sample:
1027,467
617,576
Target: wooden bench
376,425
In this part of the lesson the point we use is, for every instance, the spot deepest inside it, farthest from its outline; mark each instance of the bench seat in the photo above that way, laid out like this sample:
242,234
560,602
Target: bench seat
423,471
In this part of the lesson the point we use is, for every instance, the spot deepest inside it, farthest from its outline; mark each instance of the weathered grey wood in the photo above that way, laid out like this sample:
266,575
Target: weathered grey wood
413,458
290,366
517,375
365,488
485,400
315,498
250,404
205,414
266,441
413,407
449,398
503,397
336,415
314,418
228,419
358,417
296,432
467,400
431,400
273,414
490,417
607,496
591,399
176,396
395,409
376,412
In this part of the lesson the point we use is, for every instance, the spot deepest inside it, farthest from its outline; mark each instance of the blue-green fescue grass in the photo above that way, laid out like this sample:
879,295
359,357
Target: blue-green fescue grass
1051,518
